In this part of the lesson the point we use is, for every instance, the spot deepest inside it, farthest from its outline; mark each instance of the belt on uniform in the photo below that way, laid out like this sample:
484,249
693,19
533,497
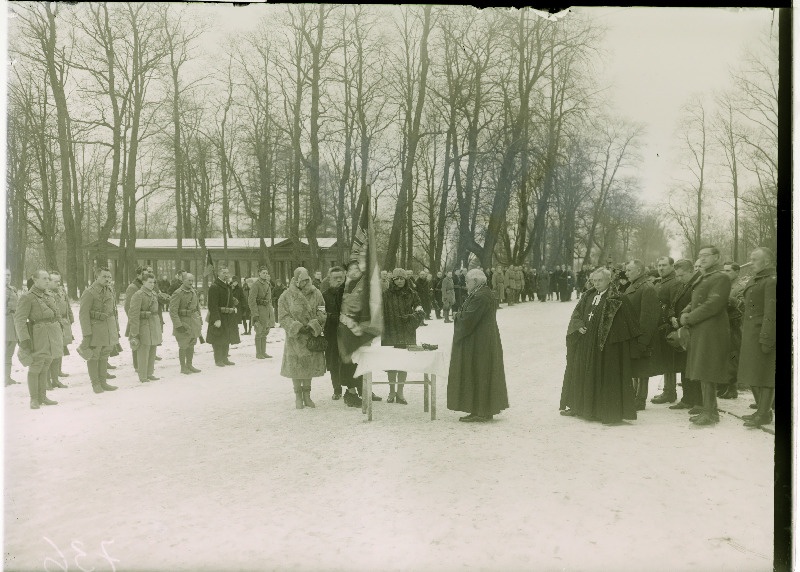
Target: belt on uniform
187,313
227,310
263,302
144,315
98,316
45,321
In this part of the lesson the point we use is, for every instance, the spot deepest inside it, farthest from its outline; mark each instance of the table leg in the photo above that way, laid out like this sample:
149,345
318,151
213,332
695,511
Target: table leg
433,397
427,392
368,392
366,388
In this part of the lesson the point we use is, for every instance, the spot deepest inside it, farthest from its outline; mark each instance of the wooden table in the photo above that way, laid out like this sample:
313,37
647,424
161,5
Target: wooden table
378,358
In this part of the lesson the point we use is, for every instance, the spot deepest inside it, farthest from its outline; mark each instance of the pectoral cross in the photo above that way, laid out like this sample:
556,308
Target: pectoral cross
590,315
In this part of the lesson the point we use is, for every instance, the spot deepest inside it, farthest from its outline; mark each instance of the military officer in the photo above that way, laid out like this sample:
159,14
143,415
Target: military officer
184,309
66,318
133,287
223,324
39,333
145,327
12,299
263,316
99,329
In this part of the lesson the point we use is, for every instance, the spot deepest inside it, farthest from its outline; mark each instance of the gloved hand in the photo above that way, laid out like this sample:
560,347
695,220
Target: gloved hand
182,329
26,345
218,324
305,330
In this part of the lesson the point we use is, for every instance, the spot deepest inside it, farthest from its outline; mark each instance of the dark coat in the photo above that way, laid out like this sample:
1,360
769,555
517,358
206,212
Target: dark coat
598,374
220,295
424,293
757,368
400,320
477,380
98,316
333,307
709,331
647,310
669,360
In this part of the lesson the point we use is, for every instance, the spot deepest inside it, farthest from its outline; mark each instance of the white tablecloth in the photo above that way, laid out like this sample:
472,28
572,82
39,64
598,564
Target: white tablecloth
379,358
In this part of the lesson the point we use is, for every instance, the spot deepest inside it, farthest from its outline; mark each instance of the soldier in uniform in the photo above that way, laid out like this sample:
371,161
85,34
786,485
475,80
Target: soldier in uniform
12,299
187,322
39,333
666,289
66,318
145,327
729,390
133,287
223,324
261,311
99,328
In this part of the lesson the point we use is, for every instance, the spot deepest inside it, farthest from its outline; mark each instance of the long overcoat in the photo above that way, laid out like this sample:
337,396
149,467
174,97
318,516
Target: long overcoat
220,295
448,292
65,316
260,303
333,308
757,368
499,284
669,359
296,309
709,331
424,293
143,318
38,308
543,284
400,320
184,310
133,287
477,380
97,316
12,300
647,310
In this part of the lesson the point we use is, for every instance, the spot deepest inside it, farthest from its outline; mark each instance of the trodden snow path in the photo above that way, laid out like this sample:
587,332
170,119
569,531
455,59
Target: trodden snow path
218,471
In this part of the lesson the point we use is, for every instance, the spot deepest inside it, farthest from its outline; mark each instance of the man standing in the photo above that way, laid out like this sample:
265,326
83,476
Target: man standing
499,284
12,299
333,307
757,361
187,322
145,326
424,293
666,289
261,312
223,326
448,296
176,283
99,329
709,332
598,376
133,287
646,308
687,277
729,390
66,319
477,380
39,332
511,285
317,281
437,294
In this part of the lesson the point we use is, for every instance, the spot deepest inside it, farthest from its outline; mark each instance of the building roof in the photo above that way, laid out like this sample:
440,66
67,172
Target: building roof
215,243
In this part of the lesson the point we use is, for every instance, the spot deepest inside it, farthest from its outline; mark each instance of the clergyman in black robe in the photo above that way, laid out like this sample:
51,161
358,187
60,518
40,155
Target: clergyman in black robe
598,377
477,381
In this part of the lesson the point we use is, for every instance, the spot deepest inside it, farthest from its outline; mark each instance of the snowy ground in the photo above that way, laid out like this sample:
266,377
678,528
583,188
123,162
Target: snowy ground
218,471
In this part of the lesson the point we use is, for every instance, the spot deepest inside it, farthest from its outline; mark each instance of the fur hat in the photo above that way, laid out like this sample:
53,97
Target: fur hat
398,273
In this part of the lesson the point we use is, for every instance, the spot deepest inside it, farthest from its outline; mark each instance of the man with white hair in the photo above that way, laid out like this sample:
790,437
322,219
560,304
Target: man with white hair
477,380
598,377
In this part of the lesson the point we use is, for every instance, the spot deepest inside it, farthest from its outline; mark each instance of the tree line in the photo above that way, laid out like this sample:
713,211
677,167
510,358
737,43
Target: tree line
481,135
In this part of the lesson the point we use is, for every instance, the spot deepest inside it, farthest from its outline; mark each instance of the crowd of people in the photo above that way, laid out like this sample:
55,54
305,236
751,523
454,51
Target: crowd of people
631,323
700,320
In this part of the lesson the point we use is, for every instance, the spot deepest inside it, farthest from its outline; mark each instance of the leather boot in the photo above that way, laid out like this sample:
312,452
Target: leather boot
298,394
33,389
264,348
260,343
102,375
43,400
94,376
307,394
183,359
189,358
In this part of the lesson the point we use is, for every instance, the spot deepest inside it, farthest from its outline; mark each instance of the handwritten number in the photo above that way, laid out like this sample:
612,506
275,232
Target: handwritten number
106,555
79,553
47,560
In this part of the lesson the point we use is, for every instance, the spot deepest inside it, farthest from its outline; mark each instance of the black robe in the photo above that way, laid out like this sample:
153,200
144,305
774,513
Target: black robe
477,379
598,377
220,295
